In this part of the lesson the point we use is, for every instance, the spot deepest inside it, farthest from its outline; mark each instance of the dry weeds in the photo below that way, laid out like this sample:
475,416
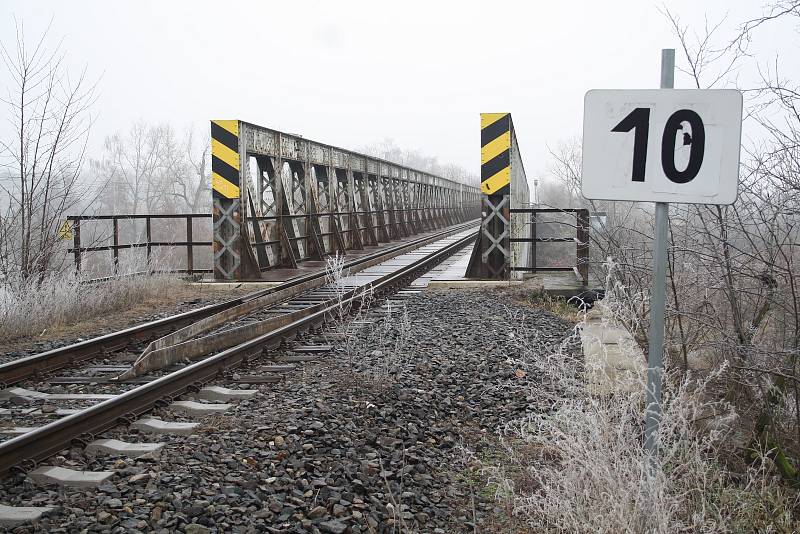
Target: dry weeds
581,467
64,309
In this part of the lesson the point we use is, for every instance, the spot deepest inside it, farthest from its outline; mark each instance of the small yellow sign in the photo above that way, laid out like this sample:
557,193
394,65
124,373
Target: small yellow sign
65,231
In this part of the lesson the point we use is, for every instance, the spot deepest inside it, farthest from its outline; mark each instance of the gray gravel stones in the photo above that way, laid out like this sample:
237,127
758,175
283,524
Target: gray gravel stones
333,526
333,448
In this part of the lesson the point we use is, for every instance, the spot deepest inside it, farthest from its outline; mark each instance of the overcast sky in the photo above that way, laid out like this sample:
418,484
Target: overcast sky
352,73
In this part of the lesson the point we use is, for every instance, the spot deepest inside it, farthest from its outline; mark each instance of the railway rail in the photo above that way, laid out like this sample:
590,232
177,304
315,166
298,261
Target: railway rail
291,308
37,365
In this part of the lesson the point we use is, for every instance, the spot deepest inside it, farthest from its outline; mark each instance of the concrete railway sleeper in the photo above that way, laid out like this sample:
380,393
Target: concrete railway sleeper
39,364
23,451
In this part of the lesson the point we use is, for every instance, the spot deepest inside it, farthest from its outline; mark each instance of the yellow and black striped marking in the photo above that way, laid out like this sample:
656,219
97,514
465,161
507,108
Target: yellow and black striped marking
225,158
495,153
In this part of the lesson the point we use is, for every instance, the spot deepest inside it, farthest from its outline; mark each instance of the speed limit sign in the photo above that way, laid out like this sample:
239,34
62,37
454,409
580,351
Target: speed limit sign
662,145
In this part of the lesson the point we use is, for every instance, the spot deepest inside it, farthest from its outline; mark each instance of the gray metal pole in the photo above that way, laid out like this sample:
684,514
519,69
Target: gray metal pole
655,353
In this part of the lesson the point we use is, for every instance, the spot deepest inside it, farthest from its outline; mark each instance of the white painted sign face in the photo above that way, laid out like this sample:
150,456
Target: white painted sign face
662,145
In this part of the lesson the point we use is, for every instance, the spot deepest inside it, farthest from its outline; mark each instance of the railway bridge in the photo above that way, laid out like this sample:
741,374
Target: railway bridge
280,200
342,246
282,205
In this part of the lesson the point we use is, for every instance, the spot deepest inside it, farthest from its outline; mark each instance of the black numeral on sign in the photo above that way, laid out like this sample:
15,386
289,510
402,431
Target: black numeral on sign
639,121
696,141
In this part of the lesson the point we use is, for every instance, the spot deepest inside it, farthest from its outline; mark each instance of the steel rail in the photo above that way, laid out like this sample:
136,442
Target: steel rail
25,450
17,370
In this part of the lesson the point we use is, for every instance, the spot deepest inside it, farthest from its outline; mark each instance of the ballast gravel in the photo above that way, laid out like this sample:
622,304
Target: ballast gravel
370,439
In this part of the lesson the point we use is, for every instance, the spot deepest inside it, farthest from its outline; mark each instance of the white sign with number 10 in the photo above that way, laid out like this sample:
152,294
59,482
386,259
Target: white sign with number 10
662,145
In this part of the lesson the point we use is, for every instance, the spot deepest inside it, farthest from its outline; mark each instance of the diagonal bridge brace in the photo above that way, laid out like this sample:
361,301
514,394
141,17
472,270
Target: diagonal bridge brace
495,242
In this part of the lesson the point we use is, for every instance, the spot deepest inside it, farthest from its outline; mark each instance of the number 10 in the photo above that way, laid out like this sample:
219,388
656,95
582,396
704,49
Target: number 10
639,121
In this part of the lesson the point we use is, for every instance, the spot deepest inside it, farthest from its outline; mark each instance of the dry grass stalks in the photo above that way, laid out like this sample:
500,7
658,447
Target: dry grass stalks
34,307
349,321
385,339
392,336
580,466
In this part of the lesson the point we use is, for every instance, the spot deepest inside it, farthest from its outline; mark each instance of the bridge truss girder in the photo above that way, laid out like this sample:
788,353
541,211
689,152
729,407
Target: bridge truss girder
280,199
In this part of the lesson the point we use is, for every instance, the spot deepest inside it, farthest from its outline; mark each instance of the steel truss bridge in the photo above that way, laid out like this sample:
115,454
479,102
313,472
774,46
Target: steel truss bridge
280,199
283,204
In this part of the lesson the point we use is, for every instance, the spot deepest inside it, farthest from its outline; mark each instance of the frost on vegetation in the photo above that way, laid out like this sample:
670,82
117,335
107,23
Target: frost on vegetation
384,340
346,313
392,336
334,274
578,465
334,279
39,306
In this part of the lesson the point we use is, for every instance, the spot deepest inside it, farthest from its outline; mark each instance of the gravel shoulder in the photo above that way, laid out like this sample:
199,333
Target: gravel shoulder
378,435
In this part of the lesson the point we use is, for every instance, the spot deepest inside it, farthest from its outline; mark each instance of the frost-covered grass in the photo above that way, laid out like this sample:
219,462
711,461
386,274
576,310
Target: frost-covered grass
386,339
40,306
581,466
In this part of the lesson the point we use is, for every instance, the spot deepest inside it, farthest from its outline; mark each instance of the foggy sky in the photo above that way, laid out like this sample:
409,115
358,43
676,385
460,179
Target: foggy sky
353,73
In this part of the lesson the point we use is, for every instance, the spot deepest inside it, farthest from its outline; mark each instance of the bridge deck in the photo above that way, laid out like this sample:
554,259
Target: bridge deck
557,283
278,275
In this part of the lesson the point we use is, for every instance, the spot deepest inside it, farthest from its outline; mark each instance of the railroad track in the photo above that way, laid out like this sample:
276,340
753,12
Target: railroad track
224,342
40,364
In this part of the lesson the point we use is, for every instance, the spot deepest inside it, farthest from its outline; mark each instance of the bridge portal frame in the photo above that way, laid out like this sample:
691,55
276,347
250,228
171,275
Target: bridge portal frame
503,249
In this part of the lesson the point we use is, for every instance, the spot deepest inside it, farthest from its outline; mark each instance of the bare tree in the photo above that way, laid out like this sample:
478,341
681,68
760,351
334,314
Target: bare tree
733,273
192,184
751,247
149,170
566,169
708,63
388,150
135,168
50,114
732,270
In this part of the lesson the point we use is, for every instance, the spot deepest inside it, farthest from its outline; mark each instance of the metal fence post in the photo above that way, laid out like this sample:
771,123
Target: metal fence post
582,251
533,239
115,249
76,243
149,236
189,250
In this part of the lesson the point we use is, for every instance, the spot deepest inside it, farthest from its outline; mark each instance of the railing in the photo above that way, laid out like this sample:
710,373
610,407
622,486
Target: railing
581,240
362,222
370,226
77,249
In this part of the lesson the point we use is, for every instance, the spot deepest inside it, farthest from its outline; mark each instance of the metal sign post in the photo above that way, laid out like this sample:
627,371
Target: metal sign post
664,146
658,294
